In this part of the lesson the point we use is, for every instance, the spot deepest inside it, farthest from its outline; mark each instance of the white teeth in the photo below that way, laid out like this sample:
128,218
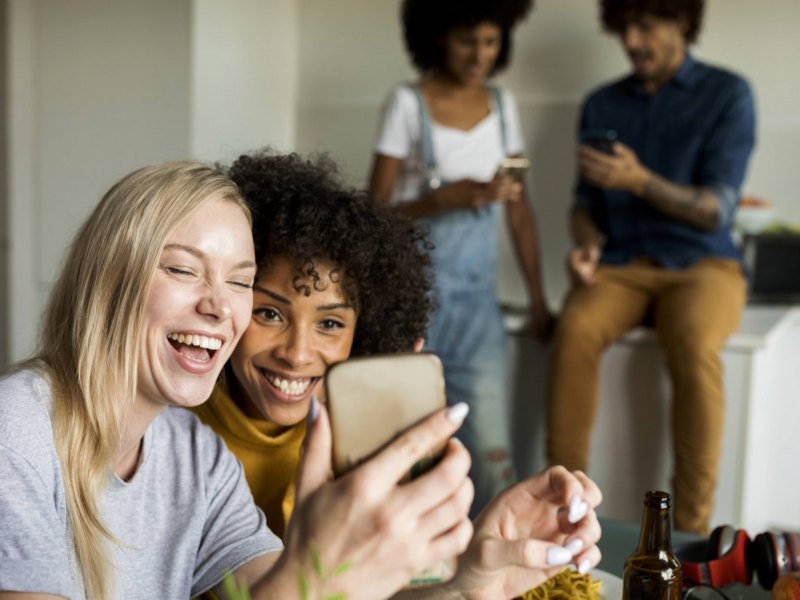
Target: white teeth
292,387
201,341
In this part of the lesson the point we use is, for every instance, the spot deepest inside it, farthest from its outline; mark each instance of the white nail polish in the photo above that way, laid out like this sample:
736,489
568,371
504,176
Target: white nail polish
457,413
558,556
577,509
584,567
574,546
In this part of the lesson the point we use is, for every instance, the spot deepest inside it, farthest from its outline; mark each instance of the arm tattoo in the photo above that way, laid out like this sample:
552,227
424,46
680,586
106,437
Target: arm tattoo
694,205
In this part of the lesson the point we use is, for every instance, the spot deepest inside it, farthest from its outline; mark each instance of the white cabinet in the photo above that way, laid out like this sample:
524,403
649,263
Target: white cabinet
759,479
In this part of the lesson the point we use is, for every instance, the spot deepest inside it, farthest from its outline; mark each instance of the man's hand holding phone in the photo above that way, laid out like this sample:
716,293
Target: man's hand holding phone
607,163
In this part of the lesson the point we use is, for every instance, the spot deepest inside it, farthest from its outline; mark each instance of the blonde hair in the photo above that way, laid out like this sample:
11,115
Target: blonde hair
91,330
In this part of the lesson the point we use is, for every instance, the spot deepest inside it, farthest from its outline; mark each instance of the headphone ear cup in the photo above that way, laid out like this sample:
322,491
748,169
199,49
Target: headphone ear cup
762,558
784,547
721,541
793,551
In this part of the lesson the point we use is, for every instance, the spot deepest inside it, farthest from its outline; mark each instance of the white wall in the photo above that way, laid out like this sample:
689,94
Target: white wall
244,76
3,188
96,89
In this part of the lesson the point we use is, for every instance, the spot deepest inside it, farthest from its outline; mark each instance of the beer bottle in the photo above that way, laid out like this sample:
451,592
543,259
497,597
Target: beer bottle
652,572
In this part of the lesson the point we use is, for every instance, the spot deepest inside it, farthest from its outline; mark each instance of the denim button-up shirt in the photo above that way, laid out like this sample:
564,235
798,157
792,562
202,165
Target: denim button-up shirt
697,129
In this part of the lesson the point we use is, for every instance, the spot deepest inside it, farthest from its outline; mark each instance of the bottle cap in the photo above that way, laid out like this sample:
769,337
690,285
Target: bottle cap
657,499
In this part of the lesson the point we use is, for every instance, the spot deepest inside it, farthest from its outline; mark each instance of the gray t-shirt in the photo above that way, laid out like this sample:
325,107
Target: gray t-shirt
183,520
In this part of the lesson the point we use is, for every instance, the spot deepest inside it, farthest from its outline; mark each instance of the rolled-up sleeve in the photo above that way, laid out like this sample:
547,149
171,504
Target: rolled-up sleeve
723,164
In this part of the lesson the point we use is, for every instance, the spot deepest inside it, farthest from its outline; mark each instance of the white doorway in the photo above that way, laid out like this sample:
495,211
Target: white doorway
4,243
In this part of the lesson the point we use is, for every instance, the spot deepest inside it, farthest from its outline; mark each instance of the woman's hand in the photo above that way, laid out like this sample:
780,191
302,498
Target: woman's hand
470,194
364,535
528,533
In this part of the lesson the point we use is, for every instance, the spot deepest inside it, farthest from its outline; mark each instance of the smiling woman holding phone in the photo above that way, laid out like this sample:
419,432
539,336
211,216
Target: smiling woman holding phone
440,142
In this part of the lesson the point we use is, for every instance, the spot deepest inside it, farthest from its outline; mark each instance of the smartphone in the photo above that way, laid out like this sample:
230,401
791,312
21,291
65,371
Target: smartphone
372,399
513,167
600,139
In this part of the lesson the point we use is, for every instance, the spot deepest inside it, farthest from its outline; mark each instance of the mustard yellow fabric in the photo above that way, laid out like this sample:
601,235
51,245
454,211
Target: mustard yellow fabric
269,453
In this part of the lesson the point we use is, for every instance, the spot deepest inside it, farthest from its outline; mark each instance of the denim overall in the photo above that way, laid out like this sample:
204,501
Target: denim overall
467,329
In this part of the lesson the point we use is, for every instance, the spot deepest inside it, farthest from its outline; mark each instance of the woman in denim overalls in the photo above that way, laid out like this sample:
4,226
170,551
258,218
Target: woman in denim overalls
438,150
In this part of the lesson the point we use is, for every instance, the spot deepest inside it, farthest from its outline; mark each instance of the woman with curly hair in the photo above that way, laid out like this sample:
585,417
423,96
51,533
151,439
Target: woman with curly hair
440,143
332,266
340,276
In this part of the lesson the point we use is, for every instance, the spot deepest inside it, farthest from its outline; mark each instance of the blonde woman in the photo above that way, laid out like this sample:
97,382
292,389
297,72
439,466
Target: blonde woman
110,491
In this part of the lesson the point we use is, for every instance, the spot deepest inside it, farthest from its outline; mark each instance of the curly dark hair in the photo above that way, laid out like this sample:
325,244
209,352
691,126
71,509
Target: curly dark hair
303,212
427,22
616,14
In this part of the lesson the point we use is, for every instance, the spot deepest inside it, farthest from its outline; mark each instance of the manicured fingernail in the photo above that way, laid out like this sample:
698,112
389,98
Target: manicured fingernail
457,413
558,556
313,411
577,509
574,546
584,567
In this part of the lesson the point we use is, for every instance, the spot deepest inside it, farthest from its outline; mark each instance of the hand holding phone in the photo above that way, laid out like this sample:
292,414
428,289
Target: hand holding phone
371,400
418,522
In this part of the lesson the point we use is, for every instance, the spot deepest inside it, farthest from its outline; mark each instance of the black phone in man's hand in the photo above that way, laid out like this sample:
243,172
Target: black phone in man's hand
600,139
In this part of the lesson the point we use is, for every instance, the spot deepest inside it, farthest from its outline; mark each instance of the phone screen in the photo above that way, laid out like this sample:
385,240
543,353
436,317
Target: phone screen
514,167
371,400
600,139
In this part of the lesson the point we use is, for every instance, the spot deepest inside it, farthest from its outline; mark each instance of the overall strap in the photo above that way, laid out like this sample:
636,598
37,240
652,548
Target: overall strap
425,136
497,100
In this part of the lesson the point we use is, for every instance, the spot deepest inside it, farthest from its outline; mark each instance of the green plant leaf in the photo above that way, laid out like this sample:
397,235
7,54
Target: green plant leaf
229,585
342,568
233,590
302,583
339,596
316,561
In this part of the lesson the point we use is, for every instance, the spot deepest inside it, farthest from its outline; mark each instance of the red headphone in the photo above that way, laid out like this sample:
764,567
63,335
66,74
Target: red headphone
730,556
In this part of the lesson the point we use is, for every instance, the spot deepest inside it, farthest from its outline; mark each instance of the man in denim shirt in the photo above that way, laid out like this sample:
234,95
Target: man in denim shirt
651,228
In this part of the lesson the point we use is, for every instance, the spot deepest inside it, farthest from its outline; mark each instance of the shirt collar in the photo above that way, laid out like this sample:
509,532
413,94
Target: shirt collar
683,77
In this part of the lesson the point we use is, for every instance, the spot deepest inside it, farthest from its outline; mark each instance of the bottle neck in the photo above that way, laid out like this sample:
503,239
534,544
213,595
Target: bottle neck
656,532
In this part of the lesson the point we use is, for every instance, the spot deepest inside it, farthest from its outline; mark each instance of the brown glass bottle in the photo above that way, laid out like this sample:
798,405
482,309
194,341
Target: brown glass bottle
652,572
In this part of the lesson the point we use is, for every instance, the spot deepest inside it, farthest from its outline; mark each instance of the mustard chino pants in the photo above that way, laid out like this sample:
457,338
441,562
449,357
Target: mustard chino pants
694,310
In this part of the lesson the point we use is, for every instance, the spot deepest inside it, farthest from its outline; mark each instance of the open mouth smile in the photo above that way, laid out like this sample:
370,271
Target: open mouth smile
195,347
292,387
